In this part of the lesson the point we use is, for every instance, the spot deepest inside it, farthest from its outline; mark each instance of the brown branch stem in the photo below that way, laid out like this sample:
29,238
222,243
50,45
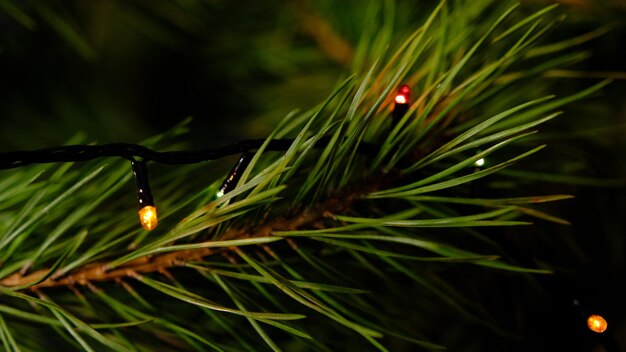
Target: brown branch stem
97,271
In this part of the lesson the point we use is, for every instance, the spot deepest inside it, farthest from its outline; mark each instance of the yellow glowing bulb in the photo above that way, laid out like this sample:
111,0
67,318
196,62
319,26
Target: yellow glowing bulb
148,217
479,162
596,323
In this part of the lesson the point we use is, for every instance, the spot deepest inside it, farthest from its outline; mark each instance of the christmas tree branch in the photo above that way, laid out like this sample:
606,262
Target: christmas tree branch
100,271
365,224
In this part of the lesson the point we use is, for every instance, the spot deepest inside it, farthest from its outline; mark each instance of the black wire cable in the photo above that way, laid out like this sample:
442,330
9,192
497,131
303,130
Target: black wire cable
77,153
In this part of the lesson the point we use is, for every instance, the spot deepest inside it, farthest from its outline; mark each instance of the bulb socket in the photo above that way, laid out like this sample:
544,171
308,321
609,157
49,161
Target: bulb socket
235,174
144,194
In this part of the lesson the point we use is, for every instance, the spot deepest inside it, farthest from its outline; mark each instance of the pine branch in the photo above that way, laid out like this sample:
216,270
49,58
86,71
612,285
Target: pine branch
99,271
314,211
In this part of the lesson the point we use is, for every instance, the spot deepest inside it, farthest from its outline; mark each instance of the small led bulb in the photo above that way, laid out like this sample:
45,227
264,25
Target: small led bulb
401,106
147,210
480,162
148,217
597,323
402,97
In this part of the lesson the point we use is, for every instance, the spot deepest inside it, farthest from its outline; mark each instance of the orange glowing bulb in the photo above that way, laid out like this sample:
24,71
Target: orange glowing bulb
596,323
148,217
400,99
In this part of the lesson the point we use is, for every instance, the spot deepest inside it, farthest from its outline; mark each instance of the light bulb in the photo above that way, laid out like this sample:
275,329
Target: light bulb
597,323
400,99
480,162
401,106
148,217
147,210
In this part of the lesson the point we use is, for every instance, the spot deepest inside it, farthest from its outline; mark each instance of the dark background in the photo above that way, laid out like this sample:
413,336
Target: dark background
126,70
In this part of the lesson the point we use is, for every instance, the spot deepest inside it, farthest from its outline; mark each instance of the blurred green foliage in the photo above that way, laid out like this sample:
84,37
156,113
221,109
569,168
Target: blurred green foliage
121,70
125,70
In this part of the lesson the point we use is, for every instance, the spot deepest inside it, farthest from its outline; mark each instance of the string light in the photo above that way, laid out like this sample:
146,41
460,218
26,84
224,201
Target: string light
402,101
480,162
235,174
148,217
77,153
147,211
597,323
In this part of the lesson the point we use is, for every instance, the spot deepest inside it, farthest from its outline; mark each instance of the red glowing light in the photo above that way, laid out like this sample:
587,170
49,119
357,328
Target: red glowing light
404,92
